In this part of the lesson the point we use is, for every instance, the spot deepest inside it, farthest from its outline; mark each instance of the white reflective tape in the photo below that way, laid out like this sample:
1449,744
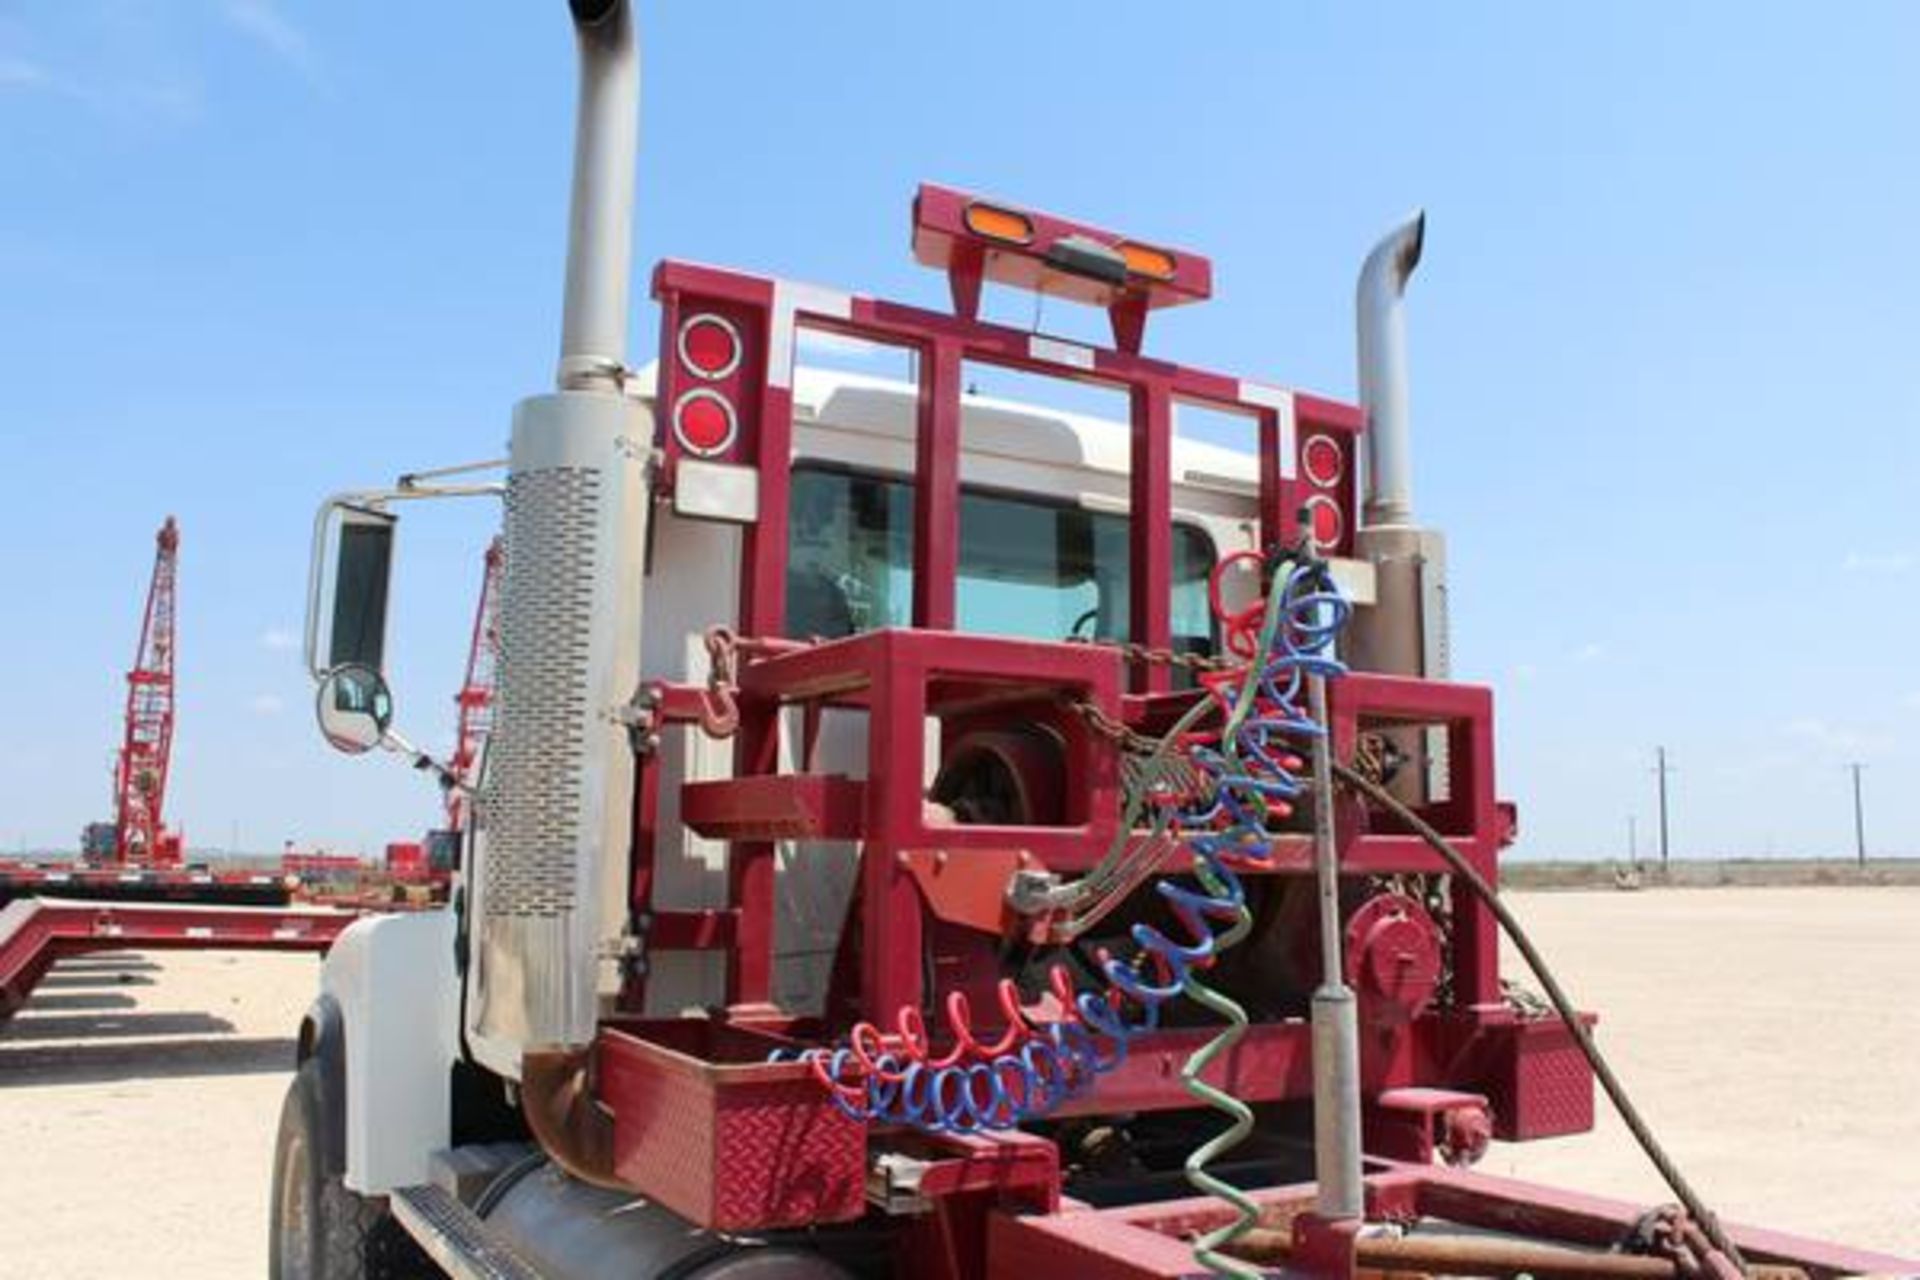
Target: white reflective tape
716,491
131,877
789,300
1280,400
1054,351
288,931
199,931
56,877
107,931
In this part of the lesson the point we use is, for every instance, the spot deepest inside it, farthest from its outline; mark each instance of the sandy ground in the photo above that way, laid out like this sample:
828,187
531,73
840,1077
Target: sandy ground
1771,1035
138,1100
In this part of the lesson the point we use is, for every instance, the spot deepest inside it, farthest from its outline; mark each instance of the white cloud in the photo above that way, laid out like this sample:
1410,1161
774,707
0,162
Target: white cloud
1913,700
263,22
1878,561
1589,652
279,639
1526,672
266,704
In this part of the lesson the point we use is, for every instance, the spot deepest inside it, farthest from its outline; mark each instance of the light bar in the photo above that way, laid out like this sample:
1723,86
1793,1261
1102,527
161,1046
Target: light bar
975,239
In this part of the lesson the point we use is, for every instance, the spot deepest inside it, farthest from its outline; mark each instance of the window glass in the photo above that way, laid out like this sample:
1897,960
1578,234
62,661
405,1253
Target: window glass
850,556
1030,568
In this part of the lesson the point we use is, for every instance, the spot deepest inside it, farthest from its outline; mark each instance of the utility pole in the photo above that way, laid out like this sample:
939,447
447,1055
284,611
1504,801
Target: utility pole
1633,841
1661,769
1859,815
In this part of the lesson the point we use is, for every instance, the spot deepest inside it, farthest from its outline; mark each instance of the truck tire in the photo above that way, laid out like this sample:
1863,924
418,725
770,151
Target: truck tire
319,1230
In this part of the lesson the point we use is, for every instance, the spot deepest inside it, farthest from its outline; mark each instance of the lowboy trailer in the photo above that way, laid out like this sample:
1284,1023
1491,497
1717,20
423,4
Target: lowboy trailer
925,835
37,933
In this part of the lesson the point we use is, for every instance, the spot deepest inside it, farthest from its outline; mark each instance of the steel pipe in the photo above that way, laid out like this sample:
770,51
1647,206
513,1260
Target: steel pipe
1336,1021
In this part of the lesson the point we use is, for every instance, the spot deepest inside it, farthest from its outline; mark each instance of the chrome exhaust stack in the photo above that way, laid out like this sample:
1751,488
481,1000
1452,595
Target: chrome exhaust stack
1380,318
552,822
1405,631
606,143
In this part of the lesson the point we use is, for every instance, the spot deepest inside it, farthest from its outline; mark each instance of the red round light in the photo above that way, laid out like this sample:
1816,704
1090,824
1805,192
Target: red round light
703,422
1327,523
709,346
1322,460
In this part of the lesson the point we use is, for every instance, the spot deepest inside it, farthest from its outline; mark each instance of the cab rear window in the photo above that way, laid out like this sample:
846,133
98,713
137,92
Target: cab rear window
1028,568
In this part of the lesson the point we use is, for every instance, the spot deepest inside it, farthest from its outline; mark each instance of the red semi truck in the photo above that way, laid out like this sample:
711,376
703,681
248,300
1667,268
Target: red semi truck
928,835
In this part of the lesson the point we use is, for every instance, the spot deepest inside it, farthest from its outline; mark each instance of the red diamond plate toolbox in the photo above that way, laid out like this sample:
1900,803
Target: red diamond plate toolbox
704,1124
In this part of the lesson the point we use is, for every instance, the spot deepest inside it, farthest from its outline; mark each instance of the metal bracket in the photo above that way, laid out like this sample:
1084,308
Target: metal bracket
893,1185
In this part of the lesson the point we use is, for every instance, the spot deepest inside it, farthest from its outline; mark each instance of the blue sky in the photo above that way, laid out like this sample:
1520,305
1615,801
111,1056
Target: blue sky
1663,345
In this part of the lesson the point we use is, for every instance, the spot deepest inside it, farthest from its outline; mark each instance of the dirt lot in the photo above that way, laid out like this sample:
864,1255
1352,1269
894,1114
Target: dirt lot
1772,1035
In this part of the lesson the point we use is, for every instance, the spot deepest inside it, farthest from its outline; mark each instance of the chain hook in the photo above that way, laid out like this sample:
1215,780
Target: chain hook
719,708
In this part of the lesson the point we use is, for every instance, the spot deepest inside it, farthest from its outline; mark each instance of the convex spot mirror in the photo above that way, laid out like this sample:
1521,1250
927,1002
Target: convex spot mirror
355,708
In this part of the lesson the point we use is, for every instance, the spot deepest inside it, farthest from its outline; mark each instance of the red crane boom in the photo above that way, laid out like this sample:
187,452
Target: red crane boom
475,698
140,776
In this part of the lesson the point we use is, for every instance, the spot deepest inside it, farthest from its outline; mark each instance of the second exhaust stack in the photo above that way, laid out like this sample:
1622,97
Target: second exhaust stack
1382,342
1404,632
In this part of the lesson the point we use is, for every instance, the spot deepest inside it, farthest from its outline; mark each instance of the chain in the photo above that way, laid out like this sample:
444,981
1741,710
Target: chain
1374,757
1147,656
1131,743
1105,726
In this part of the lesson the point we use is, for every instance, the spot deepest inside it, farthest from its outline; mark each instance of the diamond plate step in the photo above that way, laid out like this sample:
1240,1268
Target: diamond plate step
455,1238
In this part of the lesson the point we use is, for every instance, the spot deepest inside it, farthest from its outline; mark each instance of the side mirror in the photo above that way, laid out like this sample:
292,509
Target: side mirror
355,708
350,590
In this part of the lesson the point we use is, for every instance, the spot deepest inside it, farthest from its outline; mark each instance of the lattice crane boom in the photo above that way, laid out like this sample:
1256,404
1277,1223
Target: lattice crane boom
475,698
141,837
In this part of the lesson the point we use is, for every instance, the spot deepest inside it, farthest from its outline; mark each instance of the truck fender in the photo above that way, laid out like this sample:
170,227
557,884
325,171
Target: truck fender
323,1042
396,1001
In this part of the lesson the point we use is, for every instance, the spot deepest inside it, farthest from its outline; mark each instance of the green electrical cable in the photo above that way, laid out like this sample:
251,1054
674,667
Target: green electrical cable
1206,1248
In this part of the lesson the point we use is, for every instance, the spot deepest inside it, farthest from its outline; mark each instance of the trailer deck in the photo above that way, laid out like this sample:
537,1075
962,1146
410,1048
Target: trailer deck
126,884
37,932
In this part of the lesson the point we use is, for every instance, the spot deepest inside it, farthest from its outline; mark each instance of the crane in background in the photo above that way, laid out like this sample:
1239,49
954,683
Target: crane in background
430,862
475,698
138,836
131,891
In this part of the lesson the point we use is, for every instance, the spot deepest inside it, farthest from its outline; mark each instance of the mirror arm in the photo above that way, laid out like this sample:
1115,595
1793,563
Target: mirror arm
410,488
411,480
424,762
